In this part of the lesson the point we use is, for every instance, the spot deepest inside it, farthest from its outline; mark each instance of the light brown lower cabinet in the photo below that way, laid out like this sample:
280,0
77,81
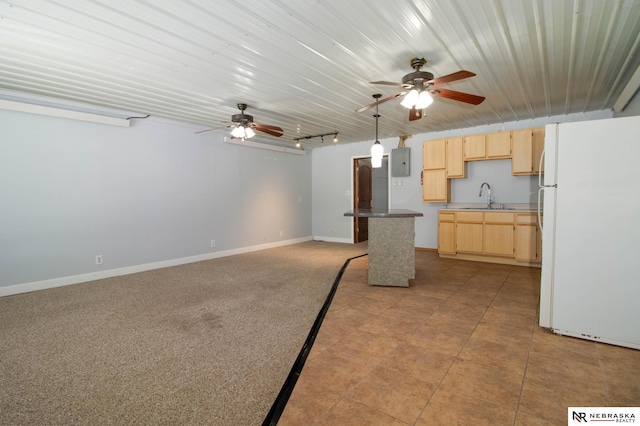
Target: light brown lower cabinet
527,238
446,233
498,234
499,237
469,232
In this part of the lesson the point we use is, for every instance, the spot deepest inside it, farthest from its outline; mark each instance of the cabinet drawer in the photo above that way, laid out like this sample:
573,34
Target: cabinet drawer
446,217
469,216
526,218
498,217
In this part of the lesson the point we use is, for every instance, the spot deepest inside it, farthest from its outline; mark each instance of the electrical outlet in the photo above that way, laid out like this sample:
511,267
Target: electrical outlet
99,259
213,243
282,233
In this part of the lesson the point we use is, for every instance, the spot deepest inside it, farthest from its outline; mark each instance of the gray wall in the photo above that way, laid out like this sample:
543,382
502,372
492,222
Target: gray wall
332,181
151,194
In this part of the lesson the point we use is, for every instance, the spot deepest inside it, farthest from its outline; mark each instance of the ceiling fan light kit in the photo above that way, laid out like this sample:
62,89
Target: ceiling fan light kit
243,132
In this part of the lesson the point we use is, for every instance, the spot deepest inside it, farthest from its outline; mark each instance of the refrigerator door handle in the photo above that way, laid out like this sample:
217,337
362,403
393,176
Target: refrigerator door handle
540,190
540,208
540,174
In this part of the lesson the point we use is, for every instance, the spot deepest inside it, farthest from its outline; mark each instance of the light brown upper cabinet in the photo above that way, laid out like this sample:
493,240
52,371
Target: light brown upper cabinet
487,146
434,154
474,147
435,186
455,158
527,149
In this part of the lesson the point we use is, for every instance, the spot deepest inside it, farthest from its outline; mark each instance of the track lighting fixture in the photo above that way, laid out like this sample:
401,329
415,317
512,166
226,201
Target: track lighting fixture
334,134
377,151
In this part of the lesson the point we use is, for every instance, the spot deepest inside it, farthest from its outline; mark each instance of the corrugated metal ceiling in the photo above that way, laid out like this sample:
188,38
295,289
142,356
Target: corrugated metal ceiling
305,65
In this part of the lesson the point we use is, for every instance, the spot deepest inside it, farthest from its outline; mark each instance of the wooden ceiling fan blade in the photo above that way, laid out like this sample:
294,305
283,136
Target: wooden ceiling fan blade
390,83
271,130
378,102
458,96
415,114
266,126
451,77
211,130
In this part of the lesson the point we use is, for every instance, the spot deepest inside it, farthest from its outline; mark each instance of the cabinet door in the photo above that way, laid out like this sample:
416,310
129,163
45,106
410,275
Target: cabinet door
522,159
469,237
455,158
498,239
498,145
447,237
537,148
434,154
435,186
527,242
474,148
527,148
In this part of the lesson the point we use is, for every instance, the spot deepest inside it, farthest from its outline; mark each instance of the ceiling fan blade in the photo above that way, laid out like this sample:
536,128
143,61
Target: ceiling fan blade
415,114
458,96
271,130
210,130
391,83
378,102
451,77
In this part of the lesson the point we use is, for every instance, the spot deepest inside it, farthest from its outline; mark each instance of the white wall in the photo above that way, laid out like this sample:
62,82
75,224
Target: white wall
145,196
332,182
632,108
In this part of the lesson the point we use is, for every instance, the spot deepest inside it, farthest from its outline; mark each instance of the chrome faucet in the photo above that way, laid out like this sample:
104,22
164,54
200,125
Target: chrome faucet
488,193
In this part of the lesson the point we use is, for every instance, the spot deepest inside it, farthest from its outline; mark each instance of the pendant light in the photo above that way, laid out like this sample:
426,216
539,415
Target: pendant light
377,151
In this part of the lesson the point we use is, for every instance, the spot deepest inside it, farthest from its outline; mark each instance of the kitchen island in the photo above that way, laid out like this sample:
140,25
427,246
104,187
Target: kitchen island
391,245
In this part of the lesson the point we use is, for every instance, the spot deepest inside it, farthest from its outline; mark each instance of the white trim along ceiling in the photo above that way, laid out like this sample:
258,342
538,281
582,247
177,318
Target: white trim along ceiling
305,65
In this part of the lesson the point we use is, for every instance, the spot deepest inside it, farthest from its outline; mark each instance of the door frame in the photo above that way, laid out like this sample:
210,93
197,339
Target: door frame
352,192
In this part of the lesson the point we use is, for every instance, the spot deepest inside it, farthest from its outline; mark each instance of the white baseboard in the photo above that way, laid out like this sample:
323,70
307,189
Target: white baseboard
76,279
333,239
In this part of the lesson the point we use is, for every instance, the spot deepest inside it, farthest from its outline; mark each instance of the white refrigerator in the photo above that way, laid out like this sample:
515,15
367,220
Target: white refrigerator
590,278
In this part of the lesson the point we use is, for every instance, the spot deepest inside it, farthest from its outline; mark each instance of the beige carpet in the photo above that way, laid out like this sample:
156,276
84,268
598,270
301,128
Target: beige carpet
205,343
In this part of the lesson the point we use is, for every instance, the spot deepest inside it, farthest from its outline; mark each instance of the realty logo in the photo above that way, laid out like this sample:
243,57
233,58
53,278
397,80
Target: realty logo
579,415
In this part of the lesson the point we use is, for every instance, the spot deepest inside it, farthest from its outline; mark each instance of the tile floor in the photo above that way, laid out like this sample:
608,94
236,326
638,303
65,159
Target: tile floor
461,345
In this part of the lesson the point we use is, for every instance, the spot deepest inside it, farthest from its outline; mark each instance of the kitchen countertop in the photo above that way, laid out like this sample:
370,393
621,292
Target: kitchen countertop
495,207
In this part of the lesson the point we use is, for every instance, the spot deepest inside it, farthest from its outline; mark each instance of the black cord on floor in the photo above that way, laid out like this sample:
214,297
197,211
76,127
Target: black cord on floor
285,392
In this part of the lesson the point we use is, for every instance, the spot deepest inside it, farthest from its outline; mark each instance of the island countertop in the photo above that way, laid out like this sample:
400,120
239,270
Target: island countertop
383,213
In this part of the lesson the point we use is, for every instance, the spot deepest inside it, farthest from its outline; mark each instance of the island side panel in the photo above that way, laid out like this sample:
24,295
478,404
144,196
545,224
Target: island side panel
391,251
